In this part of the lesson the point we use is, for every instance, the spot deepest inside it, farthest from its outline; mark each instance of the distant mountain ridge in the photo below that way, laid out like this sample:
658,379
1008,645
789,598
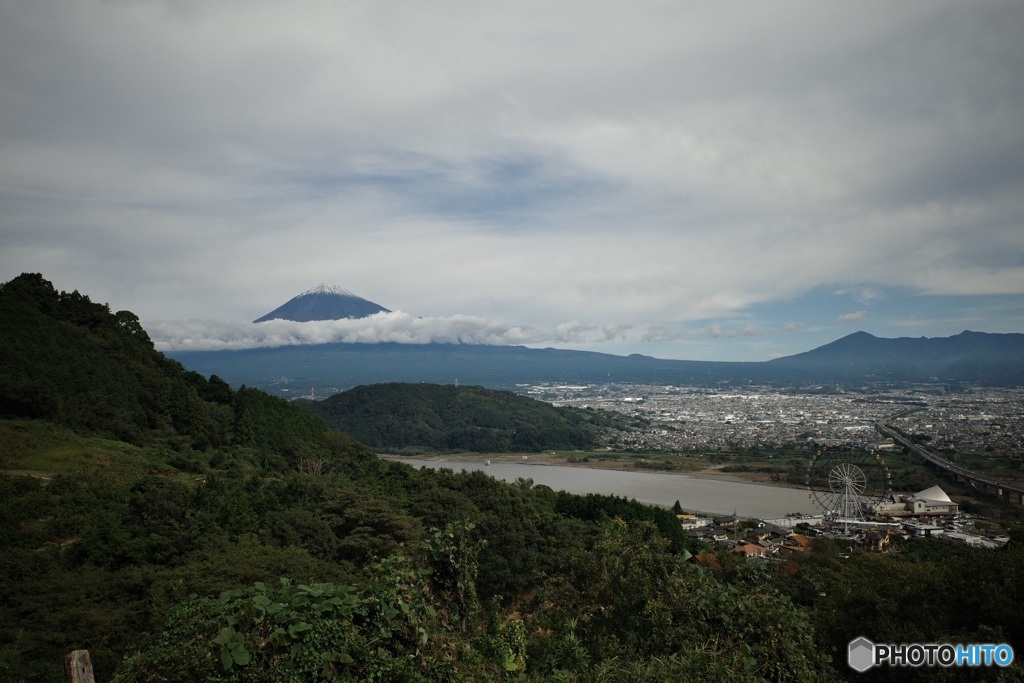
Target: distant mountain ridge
323,303
969,357
985,358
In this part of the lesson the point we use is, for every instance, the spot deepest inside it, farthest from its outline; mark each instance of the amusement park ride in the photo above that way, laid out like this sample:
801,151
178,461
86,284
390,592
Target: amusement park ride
847,483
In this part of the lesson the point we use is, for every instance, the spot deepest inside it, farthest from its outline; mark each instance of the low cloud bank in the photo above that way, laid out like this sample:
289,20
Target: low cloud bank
402,328
398,327
717,331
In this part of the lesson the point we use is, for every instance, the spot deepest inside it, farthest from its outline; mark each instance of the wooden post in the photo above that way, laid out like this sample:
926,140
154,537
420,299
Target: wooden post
78,667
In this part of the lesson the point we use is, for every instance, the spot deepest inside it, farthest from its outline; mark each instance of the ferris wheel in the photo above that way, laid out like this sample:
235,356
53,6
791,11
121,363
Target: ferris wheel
847,483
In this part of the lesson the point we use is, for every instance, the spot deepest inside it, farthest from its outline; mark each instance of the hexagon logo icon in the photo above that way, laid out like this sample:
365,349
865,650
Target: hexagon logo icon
862,655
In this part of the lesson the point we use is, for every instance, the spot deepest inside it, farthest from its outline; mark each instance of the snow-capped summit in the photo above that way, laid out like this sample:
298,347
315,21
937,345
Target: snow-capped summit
325,302
328,289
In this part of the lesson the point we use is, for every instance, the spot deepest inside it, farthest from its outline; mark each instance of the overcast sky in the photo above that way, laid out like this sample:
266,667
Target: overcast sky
698,180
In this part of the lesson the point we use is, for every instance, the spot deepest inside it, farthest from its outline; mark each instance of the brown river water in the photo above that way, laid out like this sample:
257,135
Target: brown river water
694,492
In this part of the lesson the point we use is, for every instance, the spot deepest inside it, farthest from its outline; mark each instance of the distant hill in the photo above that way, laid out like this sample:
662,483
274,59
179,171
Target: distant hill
338,366
323,303
973,357
447,418
970,357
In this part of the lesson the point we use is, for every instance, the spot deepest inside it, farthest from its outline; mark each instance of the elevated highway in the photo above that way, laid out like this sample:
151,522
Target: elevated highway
1008,491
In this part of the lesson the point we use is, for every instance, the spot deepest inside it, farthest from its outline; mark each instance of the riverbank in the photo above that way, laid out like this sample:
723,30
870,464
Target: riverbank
688,467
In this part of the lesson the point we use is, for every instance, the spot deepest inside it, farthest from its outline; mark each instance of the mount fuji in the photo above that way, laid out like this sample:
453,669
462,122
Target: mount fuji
324,303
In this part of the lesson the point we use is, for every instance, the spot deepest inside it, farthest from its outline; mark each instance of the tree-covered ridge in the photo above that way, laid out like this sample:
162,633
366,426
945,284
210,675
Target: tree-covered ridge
166,580
132,569
73,362
642,615
454,418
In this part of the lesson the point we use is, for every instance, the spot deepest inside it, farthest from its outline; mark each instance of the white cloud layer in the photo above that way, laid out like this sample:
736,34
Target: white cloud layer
393,327
401,328
636,168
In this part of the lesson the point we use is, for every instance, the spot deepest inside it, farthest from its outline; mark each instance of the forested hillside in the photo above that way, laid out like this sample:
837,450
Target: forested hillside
182,531
73,362
451,418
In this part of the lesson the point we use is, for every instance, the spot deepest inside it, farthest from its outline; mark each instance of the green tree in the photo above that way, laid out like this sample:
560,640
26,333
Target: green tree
632,600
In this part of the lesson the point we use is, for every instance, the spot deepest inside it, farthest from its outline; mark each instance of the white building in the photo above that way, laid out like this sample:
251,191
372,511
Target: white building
930,502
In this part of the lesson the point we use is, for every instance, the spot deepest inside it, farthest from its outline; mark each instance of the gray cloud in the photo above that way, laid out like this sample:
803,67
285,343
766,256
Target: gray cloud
572,332
853,317
634,168
719,331
614,332
663,333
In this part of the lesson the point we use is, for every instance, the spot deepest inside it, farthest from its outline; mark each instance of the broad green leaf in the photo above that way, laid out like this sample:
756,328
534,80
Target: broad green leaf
224,636
240,655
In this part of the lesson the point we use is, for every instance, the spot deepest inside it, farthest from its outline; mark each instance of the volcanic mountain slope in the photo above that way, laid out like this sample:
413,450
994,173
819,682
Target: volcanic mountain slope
324,303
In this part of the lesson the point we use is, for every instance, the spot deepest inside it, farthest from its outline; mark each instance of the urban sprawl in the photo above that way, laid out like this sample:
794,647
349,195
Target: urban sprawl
696,419
682,418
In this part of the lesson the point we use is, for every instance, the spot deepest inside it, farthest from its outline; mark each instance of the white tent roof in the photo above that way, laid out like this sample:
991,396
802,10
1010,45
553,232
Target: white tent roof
934,493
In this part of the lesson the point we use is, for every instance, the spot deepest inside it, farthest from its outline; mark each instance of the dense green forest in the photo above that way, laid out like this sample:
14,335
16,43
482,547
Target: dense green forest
66,359
445,418
180,530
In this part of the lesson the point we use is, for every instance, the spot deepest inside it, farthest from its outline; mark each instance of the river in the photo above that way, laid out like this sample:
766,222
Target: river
696,493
